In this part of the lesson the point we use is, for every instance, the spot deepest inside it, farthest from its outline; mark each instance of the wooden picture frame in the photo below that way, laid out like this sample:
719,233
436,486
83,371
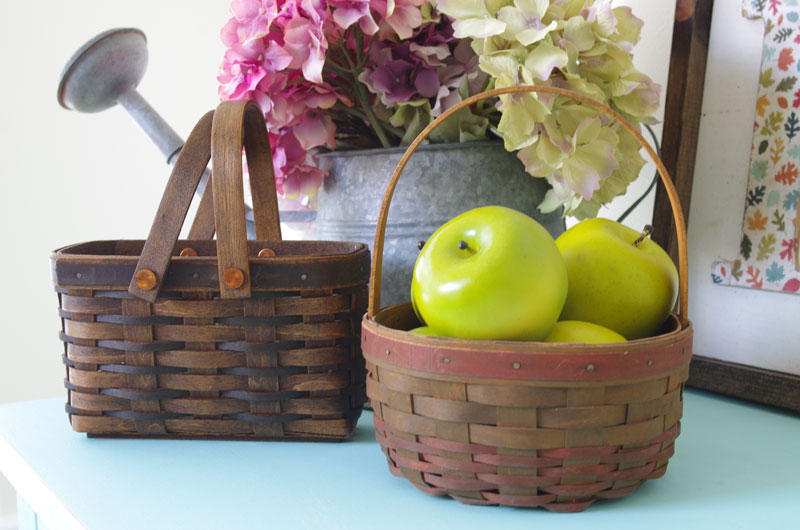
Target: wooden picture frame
684,97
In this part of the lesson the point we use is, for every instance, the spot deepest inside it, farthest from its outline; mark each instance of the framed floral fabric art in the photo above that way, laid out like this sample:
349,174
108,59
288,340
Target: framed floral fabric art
768,252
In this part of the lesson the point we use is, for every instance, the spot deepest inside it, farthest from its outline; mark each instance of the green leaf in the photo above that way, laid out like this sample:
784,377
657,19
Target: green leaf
759,169
745,247
413,117
737,270
778,219
772,123
794,152
463,126
766,79
769,25
786,84
774,198
766,247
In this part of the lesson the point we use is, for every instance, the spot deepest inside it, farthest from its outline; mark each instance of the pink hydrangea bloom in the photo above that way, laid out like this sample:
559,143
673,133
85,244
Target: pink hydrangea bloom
251,20
294,173
242,70
349,12
403,16
305,41
300,60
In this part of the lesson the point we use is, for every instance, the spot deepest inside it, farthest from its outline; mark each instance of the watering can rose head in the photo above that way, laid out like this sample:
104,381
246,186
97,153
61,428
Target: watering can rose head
354,74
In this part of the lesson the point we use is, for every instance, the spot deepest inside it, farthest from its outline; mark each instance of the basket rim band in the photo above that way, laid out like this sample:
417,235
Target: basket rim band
544,362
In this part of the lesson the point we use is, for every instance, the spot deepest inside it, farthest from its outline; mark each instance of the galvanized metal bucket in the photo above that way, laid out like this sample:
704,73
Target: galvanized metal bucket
465,176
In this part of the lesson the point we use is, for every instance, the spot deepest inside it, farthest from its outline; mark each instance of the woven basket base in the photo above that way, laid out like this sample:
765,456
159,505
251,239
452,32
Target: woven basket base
524,424
562,484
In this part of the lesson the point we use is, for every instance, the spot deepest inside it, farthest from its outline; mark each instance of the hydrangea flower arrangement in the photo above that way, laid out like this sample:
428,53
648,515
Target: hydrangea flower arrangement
344,74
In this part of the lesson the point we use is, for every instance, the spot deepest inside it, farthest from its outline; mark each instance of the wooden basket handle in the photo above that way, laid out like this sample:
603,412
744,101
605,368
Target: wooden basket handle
677,212
219,132
235,123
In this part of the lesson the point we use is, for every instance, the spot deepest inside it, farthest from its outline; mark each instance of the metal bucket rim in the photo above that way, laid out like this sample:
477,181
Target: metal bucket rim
447,146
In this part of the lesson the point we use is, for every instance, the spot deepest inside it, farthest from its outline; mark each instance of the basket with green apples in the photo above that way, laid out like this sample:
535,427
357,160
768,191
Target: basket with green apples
526,371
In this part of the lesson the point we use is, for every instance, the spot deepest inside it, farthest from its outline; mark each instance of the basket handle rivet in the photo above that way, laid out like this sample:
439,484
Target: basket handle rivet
196,275
145,279
650,362
78,275
516,366
590,368
446,360
388,351
233,278
265,252
188,251
303,276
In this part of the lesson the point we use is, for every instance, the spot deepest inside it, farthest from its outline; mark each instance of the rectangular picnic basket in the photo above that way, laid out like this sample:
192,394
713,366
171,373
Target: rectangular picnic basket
205,338
525,424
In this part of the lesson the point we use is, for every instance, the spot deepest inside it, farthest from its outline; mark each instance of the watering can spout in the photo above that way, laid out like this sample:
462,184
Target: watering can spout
105,72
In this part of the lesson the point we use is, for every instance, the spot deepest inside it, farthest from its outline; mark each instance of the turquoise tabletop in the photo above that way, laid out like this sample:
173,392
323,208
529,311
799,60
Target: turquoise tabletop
736,465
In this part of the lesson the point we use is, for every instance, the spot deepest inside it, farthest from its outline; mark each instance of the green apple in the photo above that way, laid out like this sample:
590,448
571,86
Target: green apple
491,273
423,330
576,331
617,278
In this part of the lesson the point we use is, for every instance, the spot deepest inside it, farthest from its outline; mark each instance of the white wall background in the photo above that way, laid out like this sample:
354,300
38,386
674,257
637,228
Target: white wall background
74,177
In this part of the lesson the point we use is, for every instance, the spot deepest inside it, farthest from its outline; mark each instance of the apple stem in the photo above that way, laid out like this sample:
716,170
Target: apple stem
463,245
646,231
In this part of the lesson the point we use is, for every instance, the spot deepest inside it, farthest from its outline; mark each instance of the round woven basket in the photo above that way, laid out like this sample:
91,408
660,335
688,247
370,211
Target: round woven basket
530,424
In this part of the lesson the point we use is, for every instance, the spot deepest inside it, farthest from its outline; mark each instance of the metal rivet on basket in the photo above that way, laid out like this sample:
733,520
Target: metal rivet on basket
78,275
145,279
304,276
196,275
590,368
188,251
516,366
265,252
685,349
388,351
233,278
650,362
446,360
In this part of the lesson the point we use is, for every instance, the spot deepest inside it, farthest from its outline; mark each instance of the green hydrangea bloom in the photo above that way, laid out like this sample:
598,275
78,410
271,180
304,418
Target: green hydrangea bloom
582,45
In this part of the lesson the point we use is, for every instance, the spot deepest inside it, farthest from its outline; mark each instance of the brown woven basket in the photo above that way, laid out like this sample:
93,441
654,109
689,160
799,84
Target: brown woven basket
228,338
532,424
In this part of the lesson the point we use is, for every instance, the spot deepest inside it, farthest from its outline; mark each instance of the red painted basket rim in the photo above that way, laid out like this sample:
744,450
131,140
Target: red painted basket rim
535,361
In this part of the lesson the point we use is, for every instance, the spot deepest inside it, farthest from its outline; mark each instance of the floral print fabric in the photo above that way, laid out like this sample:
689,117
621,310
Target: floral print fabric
768,251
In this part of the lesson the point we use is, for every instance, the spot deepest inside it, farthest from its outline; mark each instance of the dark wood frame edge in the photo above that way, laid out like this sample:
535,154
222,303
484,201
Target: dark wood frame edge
750,383
684,97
